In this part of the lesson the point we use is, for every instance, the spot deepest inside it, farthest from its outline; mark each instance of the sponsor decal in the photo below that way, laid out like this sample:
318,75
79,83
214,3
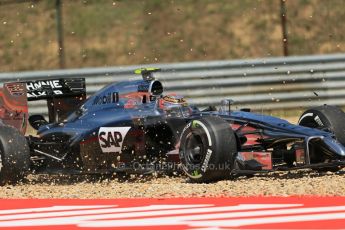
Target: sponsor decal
54,84
207,159
318,120
106,99
175,213
42,93
36,88
111,138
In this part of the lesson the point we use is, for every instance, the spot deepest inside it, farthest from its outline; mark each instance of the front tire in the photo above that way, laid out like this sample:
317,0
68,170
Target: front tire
14,155
327,118
207,149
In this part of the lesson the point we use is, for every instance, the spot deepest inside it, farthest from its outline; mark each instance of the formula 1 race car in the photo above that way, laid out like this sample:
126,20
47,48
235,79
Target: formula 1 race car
132,127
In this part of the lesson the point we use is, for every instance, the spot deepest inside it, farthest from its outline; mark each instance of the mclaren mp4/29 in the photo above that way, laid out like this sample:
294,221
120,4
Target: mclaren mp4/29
133,127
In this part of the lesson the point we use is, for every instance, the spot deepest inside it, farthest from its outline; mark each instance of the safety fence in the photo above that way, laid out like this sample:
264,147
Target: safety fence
263,83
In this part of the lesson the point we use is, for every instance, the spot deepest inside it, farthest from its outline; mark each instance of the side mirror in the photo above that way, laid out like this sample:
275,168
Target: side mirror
225,105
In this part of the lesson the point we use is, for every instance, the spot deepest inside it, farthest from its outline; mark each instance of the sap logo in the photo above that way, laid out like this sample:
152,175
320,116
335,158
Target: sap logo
111,138
318,120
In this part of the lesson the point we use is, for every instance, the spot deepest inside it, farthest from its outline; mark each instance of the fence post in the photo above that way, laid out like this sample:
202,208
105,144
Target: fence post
60,38
284,29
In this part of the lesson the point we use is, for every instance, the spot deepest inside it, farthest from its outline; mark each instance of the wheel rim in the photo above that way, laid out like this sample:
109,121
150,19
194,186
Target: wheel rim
194,149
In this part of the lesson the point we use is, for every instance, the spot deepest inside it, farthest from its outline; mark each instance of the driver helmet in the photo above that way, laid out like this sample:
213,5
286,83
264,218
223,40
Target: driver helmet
174,106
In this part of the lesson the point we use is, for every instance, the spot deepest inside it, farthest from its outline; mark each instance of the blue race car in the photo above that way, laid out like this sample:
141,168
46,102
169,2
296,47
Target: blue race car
133,127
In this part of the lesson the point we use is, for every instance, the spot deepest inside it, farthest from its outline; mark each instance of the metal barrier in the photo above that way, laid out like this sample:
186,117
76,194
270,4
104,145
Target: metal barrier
264,83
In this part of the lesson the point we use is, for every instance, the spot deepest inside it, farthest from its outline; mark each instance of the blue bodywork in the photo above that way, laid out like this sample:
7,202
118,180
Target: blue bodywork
130,116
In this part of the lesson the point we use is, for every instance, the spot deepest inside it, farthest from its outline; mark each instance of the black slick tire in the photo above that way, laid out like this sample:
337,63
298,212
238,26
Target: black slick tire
207,149
328,118
14,155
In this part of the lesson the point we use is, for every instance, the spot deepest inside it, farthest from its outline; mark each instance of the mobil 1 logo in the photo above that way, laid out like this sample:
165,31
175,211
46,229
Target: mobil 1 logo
111,138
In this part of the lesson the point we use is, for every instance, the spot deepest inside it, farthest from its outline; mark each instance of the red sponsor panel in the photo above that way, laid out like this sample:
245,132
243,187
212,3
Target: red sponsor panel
264,158
175,213
300,156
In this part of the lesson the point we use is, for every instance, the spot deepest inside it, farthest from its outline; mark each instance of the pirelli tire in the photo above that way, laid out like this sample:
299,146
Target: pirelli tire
14,155
328,118
207,149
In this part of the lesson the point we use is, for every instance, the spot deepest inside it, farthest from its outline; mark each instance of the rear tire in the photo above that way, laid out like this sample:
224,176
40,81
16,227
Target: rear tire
14,155
328,118
207,149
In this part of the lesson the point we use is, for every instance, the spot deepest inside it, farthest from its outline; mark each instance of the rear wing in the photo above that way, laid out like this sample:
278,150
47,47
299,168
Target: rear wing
56,88
63,95
13,105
